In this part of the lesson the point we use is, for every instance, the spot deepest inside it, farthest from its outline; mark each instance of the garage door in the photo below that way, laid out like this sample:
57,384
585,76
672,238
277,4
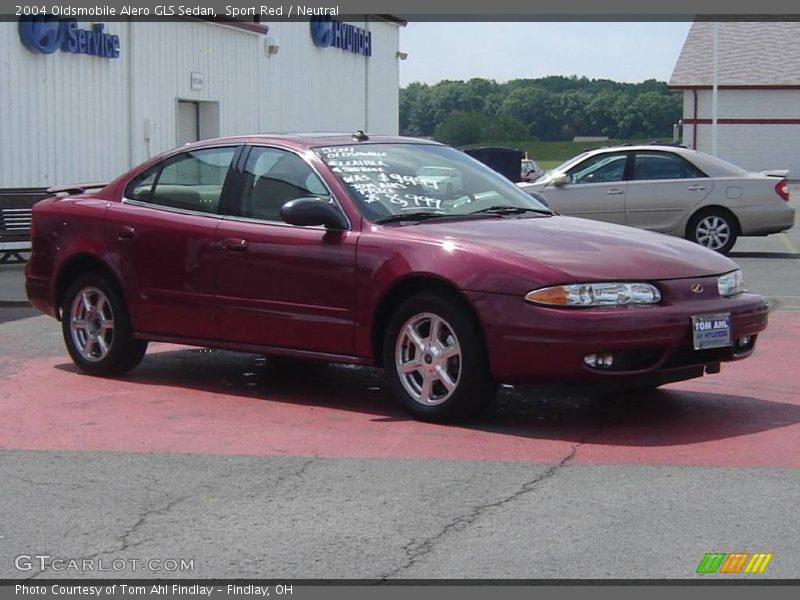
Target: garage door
188,122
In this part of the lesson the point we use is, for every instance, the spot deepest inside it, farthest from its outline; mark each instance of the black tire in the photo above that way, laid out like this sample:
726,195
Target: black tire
122,352
473,388
714,228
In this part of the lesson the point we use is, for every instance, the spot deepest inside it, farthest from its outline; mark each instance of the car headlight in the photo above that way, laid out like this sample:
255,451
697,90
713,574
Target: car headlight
595,294
730,284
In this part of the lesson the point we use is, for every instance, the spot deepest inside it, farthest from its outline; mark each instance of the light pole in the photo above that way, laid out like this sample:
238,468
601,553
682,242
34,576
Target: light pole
714,85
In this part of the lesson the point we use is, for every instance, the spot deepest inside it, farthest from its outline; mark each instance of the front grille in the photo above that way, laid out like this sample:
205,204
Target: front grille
636,361
686,356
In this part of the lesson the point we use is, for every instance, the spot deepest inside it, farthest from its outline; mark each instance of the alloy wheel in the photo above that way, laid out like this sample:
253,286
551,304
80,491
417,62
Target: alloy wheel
428,359
713,232
92,324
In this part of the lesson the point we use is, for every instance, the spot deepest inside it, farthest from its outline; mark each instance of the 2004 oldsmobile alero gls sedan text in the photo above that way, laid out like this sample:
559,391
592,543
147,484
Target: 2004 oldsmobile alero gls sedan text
335,248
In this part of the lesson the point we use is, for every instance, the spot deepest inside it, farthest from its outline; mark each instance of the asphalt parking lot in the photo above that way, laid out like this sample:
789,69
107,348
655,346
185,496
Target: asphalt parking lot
252,468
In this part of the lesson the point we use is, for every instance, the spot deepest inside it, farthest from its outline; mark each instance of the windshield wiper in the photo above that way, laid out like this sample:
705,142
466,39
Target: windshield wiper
411,216
504,209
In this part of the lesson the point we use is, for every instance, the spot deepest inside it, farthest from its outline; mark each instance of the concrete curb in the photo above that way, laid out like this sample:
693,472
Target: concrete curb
14,303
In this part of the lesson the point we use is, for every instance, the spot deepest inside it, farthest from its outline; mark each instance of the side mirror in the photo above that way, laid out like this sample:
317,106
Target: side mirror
309,212
559,179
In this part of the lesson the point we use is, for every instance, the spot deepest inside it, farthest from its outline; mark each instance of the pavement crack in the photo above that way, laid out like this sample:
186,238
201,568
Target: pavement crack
418,550
260,489
125,543
81,561
298,472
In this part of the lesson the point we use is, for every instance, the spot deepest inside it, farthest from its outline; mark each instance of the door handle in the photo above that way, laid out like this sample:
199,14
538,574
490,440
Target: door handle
614,192
234,245
126,233
697,188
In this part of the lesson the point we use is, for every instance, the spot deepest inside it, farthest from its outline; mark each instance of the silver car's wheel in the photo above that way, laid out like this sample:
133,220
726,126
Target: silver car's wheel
428,359
713,232
92,324
715,229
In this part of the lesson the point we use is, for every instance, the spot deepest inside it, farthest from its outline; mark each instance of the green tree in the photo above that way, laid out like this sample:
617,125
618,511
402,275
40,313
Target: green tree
410,103
537,109
466,128
549,108
657,112
461,129
574,117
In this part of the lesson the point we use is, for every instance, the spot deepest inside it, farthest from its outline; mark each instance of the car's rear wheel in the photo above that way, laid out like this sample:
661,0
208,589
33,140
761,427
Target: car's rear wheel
435,359
97,328
715,229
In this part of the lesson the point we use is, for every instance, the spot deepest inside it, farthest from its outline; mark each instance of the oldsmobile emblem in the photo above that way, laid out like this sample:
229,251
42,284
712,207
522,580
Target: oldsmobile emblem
697,288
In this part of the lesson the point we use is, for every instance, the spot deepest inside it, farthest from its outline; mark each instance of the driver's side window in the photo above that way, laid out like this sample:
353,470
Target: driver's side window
272,177
601,168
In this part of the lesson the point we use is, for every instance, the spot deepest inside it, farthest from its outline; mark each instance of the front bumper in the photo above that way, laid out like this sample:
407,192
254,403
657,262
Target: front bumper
651,345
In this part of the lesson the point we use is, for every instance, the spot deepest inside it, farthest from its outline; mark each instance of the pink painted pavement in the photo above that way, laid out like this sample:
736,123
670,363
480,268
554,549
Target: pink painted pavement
189,401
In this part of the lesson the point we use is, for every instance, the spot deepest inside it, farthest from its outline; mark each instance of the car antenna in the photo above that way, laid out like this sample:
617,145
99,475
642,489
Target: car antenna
360,136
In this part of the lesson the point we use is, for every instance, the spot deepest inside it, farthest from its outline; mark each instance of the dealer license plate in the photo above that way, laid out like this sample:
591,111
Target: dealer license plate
712,331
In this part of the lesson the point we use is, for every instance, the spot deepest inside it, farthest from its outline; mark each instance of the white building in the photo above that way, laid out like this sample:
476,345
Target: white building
108,95
758,81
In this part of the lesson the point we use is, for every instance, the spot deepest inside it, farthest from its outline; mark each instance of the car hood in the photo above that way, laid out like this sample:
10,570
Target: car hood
581,249
535,186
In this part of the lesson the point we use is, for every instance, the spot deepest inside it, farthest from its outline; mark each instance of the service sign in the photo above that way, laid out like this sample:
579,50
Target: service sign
46,34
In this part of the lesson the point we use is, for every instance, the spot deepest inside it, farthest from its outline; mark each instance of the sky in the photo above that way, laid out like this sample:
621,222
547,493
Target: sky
630,52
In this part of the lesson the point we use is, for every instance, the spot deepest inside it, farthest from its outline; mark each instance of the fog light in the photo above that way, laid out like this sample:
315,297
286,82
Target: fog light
744,341
599,361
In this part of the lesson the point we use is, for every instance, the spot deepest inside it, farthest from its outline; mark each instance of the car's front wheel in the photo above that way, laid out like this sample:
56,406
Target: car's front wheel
435,359
97,329
715,229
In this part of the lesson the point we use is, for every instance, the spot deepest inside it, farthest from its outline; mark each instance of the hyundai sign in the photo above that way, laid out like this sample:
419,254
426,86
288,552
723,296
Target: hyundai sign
47,34
328,32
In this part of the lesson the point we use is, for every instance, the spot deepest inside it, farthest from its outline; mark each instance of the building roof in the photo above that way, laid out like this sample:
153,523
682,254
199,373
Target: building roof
397,20
751,54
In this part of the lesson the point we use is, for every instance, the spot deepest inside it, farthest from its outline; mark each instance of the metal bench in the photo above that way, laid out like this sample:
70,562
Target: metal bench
15,234
16,206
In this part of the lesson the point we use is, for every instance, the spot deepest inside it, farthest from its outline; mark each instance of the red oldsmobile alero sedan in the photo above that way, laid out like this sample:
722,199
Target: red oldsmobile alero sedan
383,251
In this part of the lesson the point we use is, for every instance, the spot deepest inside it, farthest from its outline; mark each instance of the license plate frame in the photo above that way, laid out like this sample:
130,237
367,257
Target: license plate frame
712,331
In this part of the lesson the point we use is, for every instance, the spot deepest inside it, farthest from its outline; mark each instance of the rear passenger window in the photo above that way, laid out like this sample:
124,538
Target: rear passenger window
663,166
190,181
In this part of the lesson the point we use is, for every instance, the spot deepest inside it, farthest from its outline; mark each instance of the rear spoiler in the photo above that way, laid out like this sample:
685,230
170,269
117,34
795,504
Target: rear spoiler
77,188
782,173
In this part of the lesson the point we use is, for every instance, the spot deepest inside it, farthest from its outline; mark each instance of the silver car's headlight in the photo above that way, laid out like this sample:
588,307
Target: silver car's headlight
730,284
595,294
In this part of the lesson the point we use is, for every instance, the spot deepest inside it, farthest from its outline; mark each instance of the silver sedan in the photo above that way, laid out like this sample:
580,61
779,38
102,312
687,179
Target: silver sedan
669,189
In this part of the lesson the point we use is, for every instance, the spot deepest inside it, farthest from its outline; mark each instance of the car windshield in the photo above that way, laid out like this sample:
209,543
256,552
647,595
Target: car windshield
562,168
424,180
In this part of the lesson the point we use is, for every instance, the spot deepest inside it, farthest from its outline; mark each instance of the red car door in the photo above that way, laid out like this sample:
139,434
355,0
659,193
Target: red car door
164,239
277,284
